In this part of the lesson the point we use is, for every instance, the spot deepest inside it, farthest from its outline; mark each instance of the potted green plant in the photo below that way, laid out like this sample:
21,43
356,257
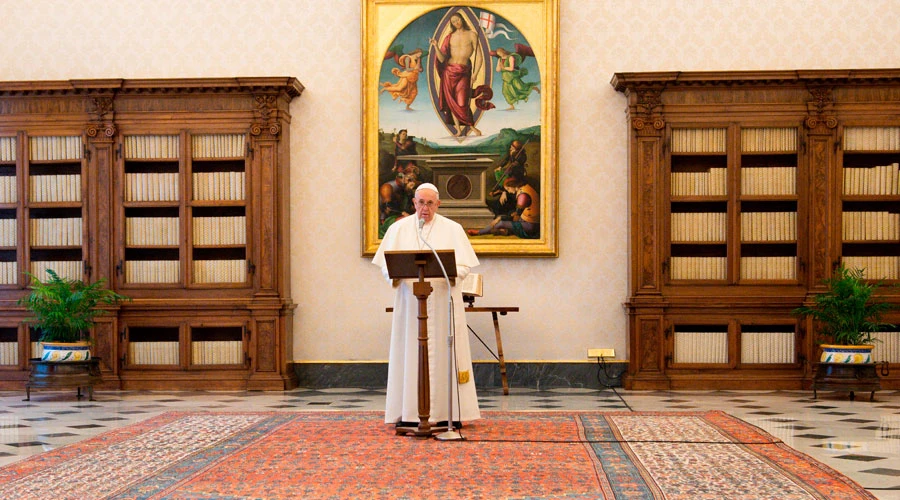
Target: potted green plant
63,312
849,314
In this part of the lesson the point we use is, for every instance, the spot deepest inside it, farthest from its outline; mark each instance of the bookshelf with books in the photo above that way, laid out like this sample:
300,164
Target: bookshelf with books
870,200
808,162
152,205
768,204
9,209
174,191
698,205
54,208
218,210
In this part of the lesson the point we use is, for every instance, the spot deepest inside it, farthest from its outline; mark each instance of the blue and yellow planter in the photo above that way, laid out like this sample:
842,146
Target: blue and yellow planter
60,352
846,354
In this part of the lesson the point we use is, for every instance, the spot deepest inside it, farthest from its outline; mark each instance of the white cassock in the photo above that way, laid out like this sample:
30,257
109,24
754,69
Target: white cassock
403,364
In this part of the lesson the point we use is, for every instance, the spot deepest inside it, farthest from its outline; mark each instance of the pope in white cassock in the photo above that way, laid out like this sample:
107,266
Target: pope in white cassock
402,403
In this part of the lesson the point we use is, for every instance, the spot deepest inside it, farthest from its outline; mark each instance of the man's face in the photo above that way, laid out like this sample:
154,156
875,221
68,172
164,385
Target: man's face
427,204
456,21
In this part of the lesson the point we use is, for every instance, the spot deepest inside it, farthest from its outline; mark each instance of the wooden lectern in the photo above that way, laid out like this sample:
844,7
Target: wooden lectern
421,264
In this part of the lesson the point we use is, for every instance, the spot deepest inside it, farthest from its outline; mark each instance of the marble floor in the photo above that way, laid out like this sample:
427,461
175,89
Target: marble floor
860,438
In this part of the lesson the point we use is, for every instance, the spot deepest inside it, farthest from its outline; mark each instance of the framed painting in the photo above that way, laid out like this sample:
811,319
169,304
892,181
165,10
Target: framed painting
462,96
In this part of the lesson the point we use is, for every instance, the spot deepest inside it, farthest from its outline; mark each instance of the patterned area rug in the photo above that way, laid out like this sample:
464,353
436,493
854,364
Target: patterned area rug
683,455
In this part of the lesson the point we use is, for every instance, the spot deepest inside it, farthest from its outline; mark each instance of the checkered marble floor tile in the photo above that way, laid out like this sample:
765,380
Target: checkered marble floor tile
860,438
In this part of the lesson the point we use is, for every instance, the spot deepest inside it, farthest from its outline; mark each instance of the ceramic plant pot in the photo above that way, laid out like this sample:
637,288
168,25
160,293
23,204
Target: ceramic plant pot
65,351
847,354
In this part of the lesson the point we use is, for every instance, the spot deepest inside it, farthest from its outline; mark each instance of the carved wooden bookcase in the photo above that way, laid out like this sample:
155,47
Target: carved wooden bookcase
746,190
175,191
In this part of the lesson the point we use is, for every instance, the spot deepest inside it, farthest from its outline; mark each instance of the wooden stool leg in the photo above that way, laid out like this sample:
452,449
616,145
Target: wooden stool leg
500,357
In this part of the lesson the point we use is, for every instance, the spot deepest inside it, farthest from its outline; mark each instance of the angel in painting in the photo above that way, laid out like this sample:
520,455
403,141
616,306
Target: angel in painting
406,88
509,64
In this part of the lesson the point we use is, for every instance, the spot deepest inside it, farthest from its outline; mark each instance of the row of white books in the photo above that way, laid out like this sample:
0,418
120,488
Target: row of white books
887,348
710,182
701,347
152,186
153,353
169,271
875,267
220,230
152,231
9,353
152,147
769,268
768,139
9,272
8,233
152,271
752,268
165,231
72,269
753,140
54,188
9,193
767,347
163,147
228,186
56,232
8,147
875,226
55,148
217,352
218,145
769,180
698,226
220,271
698,268
756,347
871,139
882,179
768,226
698,140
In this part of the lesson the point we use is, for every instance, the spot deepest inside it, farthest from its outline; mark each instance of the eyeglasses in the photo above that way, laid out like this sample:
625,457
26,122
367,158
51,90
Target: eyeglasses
423,203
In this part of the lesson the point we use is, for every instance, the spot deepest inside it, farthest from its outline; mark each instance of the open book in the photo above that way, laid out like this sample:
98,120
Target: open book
472,285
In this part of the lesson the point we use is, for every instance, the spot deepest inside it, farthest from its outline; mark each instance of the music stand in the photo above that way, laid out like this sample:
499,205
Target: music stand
421,264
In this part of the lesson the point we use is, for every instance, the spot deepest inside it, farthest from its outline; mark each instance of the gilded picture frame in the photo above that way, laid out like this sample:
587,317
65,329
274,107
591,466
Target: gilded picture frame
462,95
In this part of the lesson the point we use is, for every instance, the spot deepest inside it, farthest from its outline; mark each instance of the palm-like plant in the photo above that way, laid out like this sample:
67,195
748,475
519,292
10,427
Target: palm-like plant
64,309
848,312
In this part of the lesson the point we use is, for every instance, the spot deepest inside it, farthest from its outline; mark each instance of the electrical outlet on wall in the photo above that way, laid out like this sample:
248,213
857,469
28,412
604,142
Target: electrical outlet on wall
601,353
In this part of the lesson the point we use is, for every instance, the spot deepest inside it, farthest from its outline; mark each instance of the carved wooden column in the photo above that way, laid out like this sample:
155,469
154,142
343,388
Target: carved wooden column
270,258
101,162
647,265
645,117
824,186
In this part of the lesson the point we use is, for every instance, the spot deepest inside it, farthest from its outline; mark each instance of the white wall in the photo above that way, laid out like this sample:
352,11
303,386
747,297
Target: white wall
567,304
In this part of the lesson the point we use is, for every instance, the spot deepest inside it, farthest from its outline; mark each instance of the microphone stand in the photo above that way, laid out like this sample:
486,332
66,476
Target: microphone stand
451,434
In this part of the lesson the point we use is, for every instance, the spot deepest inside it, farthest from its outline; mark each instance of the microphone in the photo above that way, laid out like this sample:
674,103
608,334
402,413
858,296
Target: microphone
421,225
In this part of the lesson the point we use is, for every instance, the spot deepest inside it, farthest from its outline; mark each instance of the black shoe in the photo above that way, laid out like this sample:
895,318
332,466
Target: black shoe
456,425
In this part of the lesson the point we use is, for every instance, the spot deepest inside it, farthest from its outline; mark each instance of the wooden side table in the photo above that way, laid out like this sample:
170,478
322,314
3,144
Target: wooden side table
56,375
847,377
499,354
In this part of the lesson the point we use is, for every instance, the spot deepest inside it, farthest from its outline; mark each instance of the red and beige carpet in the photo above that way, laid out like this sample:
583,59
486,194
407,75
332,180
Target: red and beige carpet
672,455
